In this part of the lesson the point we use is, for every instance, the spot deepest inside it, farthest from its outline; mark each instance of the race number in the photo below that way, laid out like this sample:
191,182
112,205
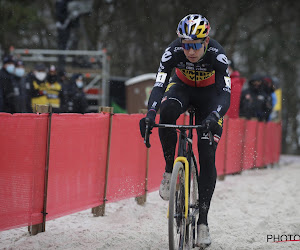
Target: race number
161,77
227,81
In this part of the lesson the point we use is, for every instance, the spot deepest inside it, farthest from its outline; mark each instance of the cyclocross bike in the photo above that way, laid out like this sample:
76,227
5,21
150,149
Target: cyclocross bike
183,209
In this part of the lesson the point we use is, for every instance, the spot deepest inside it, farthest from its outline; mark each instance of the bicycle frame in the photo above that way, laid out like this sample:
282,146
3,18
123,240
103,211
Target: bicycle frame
186,157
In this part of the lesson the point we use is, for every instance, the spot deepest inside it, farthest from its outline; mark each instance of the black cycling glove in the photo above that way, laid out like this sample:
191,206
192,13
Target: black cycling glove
150,117
211,121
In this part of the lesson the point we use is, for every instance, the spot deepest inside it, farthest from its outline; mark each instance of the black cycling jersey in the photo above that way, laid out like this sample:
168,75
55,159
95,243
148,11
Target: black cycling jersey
211,69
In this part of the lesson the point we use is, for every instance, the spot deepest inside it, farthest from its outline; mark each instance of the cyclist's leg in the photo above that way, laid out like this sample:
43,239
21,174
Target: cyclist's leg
205,100
174,103
208,173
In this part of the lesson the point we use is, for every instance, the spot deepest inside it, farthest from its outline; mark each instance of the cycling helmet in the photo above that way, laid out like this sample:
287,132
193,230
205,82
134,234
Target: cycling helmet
193,27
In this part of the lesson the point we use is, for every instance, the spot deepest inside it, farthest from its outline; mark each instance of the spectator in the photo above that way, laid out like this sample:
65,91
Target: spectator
269,89
277,101
75,101
253,99
24,97
8,92
54,90
37,81
237,83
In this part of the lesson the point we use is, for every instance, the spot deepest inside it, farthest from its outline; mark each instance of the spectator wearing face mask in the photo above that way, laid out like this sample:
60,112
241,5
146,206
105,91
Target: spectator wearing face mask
8,91
54,90
37,81
23,98
75,101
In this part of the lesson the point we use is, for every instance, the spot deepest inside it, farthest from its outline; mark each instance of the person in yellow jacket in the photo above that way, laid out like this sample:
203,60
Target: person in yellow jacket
54,90
37,81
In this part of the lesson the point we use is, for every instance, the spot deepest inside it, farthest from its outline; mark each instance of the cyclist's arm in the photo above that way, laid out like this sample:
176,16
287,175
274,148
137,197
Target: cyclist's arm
223,84
162,79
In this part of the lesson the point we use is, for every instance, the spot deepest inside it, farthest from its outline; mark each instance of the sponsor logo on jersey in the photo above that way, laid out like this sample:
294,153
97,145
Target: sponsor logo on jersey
200,75
158,84
169,86
167,55
222,58
213,49
205,136
177,49
154,105
161,67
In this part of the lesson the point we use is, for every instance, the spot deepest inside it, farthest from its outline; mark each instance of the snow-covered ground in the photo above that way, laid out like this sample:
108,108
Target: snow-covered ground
244,210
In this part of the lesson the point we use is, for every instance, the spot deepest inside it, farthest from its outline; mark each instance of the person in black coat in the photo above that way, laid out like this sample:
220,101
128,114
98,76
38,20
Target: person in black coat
253,103
74,97
24,97
8,91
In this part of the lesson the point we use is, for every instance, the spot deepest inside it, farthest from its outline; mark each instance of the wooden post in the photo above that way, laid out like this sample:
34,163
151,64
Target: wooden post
100,210
143,198
38,228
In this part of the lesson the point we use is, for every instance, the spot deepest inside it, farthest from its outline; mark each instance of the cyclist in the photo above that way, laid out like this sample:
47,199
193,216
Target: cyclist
201,79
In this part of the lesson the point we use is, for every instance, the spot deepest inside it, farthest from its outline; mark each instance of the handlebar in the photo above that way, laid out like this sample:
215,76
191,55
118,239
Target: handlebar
180,127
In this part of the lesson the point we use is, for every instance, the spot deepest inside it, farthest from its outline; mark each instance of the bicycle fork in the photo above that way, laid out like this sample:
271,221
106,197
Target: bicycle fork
185,162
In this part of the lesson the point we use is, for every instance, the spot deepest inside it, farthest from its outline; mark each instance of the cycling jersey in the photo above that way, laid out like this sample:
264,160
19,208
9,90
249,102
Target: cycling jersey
211,69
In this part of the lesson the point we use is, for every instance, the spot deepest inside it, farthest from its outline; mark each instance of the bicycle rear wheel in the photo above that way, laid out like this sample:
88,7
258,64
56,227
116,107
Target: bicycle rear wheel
177,221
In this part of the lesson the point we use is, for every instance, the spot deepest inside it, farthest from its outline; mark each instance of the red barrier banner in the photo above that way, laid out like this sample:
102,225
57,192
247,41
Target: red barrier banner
127,162
261,143
78,152
278,135
270,142
157,162
221,150
235,145
22,168
249,154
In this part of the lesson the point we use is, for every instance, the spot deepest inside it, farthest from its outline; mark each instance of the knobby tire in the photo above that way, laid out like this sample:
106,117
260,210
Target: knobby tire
177,221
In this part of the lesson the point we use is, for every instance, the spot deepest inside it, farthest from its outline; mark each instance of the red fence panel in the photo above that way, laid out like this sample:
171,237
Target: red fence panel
221,150
127,163
235,144
78,153
270,142
261,146
249,145
278,135
22,167
156,160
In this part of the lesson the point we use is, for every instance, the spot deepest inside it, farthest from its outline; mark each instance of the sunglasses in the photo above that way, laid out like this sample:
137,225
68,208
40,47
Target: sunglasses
194,46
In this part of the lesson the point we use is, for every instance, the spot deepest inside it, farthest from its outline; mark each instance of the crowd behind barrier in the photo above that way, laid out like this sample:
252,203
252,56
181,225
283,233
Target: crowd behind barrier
81,147
20,92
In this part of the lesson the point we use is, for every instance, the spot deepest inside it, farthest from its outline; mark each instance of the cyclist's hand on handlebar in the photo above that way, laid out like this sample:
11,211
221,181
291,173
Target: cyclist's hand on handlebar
150,120
211,121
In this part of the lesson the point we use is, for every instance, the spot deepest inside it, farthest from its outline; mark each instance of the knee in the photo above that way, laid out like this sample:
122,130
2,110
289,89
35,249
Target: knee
170,110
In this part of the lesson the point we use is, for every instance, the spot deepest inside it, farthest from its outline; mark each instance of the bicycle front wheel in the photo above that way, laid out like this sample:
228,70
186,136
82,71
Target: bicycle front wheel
177,221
